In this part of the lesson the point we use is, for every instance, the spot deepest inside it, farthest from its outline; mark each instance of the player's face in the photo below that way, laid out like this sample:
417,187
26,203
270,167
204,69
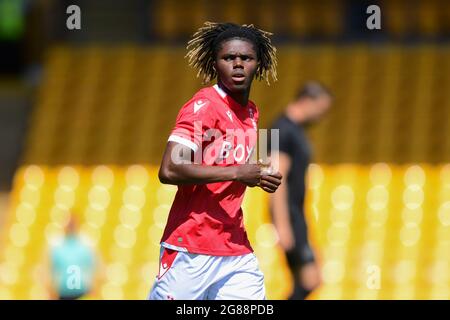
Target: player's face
236,64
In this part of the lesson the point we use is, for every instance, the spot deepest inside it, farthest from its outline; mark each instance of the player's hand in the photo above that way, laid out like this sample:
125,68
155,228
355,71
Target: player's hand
310,277
249,174
270,182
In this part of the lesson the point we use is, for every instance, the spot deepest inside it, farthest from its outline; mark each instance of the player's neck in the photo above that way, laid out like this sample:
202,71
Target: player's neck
240,97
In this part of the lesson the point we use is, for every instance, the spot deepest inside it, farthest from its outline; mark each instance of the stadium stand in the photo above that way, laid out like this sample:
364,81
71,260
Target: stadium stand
110,104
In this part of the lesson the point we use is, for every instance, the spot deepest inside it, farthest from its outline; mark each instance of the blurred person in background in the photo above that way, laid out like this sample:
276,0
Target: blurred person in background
73,266
287,204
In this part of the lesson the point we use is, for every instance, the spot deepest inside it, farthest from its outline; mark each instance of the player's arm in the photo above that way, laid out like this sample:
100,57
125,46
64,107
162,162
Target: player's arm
177,168
279,203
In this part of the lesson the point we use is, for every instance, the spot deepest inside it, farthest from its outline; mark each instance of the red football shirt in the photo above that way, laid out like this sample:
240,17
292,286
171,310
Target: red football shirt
207,218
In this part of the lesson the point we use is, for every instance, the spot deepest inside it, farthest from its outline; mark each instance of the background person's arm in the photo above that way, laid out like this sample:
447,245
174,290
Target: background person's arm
279,203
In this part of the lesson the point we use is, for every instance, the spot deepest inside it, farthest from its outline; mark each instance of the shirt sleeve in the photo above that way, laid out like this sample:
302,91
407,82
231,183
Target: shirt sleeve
284,139
193,120
256,114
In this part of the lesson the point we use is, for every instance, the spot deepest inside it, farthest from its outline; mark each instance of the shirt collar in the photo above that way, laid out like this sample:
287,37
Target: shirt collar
220,91
232,104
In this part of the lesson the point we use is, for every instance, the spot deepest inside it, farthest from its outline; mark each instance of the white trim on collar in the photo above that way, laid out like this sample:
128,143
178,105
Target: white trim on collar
220,91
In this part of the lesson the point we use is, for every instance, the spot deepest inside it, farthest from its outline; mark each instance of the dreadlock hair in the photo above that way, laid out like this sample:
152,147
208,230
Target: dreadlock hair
206,42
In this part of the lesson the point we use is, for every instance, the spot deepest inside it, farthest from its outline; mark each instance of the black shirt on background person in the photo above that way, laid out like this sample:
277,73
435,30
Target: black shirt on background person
292,158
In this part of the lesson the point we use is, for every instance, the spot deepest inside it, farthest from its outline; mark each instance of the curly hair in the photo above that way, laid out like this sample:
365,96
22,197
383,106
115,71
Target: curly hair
206,42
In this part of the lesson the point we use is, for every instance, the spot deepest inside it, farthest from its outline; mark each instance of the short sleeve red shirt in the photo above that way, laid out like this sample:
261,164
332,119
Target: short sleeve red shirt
208,218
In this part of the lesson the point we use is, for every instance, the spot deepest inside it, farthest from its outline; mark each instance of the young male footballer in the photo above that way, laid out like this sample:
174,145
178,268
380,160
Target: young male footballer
205,252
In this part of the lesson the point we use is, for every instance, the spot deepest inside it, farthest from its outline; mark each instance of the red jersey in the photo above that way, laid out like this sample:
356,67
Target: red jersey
207,218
